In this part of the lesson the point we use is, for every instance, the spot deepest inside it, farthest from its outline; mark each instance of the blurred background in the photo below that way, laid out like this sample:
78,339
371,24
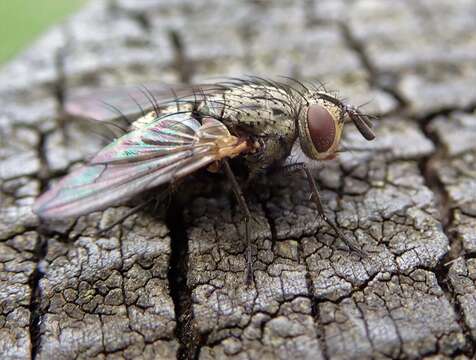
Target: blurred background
21,21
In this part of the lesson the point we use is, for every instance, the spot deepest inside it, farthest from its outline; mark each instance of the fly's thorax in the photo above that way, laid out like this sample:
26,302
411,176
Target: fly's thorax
252,104
260,114
320,124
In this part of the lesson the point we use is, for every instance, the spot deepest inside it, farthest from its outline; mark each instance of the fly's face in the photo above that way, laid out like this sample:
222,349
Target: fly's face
321,122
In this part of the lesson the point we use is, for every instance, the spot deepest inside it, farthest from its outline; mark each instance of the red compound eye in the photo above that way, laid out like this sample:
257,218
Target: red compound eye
322,127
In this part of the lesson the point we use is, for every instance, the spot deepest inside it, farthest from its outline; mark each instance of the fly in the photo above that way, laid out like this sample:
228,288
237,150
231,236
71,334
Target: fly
263,124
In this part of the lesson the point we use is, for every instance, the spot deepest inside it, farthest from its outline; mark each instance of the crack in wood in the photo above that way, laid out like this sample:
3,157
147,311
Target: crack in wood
179,291
39,253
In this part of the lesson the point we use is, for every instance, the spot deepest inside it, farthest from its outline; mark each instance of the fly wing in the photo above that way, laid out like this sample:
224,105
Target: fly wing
110,104
167,149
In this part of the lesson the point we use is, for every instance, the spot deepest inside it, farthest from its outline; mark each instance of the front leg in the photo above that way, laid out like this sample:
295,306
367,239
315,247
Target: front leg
244,207
320,209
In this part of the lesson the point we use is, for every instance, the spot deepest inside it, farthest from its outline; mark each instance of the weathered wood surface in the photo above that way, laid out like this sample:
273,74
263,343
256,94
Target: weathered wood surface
161,286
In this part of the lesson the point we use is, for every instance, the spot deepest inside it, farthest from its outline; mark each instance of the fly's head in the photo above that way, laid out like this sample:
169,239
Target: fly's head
321,122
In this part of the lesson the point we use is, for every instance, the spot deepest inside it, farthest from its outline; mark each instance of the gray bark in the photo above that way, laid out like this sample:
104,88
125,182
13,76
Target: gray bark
171,283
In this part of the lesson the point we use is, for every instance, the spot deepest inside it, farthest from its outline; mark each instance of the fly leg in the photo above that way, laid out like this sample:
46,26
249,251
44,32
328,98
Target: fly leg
244,207
320,209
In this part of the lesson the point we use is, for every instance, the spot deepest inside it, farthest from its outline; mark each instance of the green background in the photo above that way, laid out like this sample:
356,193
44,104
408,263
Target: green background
21,21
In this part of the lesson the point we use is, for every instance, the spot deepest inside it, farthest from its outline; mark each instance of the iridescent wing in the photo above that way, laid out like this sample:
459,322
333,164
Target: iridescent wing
165,150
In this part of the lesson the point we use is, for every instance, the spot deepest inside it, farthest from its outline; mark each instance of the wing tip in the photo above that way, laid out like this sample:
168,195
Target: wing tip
42,210
45,208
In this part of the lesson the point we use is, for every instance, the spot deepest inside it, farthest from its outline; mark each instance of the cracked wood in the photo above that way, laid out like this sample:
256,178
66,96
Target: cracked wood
169,283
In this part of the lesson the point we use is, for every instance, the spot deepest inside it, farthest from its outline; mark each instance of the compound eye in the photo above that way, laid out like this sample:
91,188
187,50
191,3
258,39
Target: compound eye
322,127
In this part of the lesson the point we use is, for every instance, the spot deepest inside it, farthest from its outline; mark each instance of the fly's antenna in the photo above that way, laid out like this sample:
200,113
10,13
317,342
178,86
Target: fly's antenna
361,121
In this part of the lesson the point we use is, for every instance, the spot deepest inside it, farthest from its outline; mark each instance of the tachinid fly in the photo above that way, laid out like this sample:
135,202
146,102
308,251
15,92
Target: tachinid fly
257,121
